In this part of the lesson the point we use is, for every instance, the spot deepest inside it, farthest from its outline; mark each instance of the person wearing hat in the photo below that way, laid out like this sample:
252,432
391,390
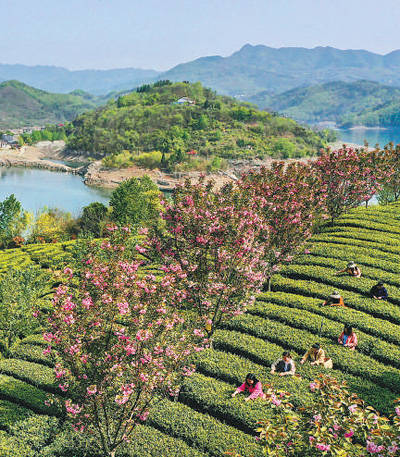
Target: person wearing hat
317,356
379,291
334,299
352,270
348,338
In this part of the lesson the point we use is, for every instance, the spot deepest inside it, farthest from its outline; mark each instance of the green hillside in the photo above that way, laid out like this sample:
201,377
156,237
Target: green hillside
150,119
22,105
356,103
206,421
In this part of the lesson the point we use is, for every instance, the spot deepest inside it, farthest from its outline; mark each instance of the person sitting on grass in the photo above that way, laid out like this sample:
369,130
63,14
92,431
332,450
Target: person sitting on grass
253,386
317,356
379,291
334,299
284,366
352,270
348,338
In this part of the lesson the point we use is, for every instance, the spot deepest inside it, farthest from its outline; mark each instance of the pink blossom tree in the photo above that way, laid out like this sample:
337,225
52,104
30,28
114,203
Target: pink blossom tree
391,183
287,200
347,177
118,342
210,251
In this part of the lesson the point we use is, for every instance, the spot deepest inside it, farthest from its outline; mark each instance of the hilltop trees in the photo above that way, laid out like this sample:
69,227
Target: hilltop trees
153,120
209,249
118,341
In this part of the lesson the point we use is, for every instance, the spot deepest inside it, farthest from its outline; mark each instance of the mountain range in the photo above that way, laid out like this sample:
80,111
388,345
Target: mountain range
58,79
250,70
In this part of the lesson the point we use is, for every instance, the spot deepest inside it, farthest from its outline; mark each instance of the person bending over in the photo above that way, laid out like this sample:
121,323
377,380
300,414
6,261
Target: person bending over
253,386
379,291
334,299
352,270
317,356
284,366
348,338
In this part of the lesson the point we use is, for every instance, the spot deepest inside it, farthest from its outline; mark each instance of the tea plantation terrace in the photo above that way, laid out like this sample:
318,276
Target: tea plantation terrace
206,421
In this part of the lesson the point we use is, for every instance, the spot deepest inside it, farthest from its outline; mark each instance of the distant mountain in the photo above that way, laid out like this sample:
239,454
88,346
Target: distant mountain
259,68
58,79
357,103
22,105
246,72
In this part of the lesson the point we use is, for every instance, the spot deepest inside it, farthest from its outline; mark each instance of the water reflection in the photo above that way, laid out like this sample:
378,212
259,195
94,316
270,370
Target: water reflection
37,188
372,136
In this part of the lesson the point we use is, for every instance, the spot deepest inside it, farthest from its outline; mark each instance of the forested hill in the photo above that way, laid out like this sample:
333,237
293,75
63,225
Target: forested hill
22,105
357,103
205,125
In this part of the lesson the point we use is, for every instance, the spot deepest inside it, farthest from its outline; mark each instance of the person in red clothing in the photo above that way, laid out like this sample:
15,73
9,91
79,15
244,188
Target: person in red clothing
348,338
253,386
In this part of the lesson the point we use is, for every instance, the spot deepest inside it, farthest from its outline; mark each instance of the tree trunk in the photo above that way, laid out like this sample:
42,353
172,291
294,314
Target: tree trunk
269,284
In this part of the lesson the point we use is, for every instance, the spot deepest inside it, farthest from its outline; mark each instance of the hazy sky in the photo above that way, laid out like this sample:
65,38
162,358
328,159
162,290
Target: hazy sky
159,34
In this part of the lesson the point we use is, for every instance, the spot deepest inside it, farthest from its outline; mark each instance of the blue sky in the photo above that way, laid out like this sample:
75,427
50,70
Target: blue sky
158,34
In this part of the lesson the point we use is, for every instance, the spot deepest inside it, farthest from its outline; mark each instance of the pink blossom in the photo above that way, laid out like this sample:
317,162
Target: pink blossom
144,416
373,448
68,271
352,408
71,408
323,447
349,434
121,399
275,401
123,307
140,249
69,320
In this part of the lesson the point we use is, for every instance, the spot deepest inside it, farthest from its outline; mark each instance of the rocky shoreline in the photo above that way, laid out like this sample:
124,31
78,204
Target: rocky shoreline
95,174
38,157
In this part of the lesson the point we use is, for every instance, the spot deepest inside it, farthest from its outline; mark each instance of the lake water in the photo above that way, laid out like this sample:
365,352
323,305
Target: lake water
38,188
372,136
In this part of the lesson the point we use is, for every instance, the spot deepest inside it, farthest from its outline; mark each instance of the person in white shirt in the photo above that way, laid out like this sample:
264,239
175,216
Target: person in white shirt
284,366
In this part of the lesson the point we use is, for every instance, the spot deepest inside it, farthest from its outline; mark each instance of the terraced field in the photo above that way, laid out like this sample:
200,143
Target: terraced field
206,421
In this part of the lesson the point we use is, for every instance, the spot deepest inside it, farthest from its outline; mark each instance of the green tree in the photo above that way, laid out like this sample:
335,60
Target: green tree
13,220
21,291
284,148
93,219
135,202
